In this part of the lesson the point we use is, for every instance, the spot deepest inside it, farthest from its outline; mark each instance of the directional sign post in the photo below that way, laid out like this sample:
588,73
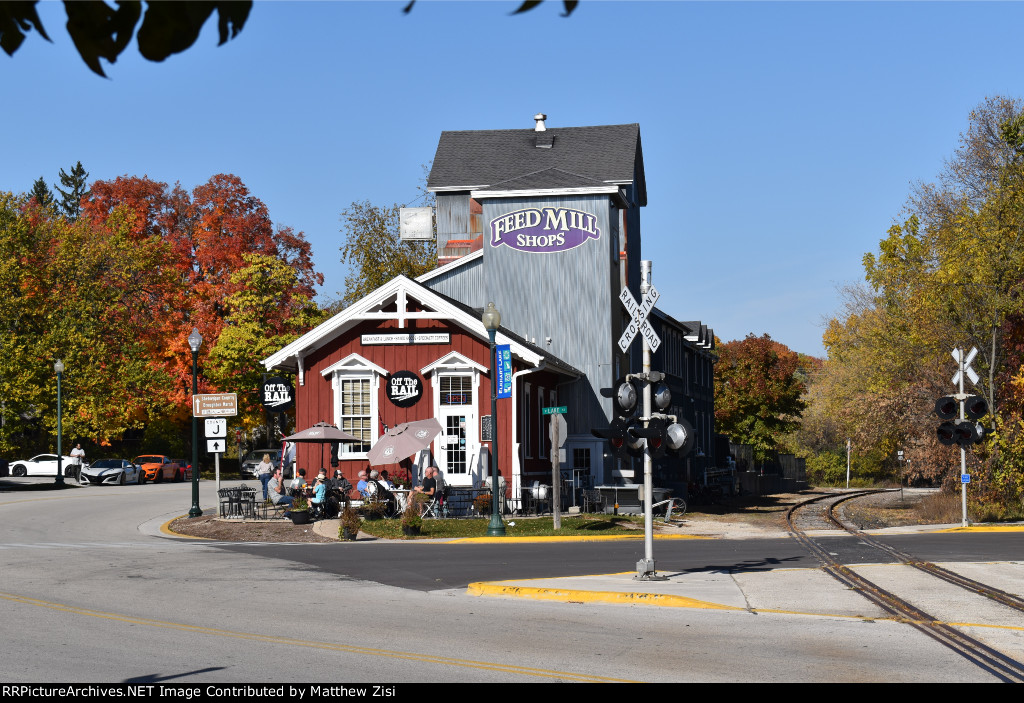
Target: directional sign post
216,427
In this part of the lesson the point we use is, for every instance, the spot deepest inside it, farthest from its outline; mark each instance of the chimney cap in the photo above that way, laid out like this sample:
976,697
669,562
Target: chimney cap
540,117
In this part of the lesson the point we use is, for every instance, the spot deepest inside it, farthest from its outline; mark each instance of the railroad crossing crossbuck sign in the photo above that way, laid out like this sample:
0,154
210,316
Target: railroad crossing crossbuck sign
964,366
639,323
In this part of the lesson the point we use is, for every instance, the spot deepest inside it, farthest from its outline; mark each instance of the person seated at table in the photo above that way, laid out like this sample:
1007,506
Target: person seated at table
319,497
385,481
428,487
298,484
361,484
276,491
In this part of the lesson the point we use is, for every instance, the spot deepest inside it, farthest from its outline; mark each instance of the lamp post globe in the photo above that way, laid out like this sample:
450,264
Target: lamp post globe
59,368
195,340
491,319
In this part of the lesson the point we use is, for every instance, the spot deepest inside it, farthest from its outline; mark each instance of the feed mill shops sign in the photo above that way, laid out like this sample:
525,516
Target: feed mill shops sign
404,388
544,230
278,394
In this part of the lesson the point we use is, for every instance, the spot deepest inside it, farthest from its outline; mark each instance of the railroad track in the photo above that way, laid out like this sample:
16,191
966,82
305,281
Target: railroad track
995,662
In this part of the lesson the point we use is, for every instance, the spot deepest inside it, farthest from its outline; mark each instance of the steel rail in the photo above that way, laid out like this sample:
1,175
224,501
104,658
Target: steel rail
991,660
1008,599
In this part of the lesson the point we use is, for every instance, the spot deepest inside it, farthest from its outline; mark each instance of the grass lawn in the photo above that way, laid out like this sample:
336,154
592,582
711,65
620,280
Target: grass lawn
575,525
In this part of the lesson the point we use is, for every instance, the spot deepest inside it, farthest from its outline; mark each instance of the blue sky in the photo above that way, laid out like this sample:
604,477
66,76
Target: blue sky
780,139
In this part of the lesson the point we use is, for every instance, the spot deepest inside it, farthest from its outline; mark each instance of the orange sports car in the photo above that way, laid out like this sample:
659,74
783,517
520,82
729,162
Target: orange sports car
159,468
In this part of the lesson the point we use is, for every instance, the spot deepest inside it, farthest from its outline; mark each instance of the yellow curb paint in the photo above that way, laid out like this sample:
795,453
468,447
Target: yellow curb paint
569,595
985,528
445,660
166,529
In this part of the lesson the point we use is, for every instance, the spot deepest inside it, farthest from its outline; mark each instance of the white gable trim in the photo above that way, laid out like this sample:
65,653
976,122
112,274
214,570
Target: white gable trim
354,363
398,290
453,361
462,261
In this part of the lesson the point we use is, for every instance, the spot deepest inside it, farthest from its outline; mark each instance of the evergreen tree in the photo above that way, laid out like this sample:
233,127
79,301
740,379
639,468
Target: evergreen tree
41,192
75,182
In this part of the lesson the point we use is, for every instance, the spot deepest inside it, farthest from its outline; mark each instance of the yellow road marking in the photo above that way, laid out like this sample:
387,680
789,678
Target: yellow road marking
328,646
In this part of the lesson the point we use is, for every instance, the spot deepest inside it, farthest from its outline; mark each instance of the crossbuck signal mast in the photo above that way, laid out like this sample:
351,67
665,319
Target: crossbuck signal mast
651,434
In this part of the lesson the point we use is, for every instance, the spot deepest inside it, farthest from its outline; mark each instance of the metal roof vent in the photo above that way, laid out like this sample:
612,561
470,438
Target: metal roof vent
543,139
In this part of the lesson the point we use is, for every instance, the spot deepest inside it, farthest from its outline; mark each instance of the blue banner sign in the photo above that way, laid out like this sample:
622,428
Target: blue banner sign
504,361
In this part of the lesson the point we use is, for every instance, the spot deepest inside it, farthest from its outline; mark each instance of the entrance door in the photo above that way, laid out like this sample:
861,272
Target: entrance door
458,440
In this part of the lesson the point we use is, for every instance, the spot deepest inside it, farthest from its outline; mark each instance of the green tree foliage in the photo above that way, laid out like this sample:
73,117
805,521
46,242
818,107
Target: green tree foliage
100,31
41,192
374,251
103,32
73,294
757,393
114,294
76,183
265,313
951,274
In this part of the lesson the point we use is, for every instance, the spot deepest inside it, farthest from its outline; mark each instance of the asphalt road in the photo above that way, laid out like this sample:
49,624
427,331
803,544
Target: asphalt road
91,591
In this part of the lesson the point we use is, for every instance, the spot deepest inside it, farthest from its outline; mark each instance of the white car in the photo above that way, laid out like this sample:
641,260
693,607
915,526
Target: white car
111,471
42,465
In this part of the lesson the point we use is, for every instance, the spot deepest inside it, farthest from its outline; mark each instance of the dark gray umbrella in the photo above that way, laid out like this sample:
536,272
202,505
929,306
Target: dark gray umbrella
402,441
322,433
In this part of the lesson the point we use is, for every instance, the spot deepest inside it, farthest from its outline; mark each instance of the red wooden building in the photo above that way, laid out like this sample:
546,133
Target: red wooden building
405,352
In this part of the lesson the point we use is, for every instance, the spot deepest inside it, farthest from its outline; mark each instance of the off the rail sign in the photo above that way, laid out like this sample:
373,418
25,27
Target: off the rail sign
639,323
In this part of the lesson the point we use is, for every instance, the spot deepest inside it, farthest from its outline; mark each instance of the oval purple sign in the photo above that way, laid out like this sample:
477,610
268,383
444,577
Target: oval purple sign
544,230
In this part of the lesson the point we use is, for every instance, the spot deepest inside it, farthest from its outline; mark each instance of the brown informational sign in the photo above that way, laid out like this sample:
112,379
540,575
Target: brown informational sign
215,405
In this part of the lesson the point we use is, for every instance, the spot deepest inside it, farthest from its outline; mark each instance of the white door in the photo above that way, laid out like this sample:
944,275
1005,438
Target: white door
458,442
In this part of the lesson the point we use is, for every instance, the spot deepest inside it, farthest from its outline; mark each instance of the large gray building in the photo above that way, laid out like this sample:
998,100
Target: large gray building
545,222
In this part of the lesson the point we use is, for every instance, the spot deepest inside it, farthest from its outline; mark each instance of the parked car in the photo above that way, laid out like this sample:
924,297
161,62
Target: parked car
42,465
186,467
158,468
256,456
111,471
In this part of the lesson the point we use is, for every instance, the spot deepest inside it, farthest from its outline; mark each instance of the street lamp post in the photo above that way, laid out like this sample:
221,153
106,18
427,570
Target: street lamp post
195,340
59,368
492,320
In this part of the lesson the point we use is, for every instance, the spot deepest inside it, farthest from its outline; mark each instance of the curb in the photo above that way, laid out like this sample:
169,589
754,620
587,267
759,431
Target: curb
576,596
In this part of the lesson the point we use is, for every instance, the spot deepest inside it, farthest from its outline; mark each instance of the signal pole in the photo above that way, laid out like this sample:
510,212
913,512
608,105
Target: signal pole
645,569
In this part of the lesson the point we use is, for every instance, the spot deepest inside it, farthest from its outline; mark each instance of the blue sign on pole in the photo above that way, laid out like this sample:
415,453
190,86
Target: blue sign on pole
965,478
504,354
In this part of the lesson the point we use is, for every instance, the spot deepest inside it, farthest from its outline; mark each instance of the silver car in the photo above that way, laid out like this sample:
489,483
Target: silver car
112,471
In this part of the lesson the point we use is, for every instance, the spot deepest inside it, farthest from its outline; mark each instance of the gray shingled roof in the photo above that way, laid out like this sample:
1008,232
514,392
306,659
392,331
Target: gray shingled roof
508,159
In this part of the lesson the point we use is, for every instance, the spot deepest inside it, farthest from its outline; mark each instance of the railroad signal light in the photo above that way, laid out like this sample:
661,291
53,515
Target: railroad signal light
624,397
618,437
975,407
962,432
947,407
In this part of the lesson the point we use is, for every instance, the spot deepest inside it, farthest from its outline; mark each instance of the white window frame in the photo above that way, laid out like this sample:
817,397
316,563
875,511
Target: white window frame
454,363
355,368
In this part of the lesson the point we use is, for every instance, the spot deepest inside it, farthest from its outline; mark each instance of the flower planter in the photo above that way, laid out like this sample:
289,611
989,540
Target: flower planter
348,536
300,517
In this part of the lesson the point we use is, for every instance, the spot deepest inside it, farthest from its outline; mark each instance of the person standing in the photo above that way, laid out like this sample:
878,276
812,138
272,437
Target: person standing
263,470
77,457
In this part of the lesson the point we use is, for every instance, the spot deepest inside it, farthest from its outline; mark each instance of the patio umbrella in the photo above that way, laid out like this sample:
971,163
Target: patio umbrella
322,433
402,441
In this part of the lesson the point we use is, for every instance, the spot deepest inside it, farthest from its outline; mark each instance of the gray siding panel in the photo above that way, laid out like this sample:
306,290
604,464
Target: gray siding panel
452,217
465,284
565,296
